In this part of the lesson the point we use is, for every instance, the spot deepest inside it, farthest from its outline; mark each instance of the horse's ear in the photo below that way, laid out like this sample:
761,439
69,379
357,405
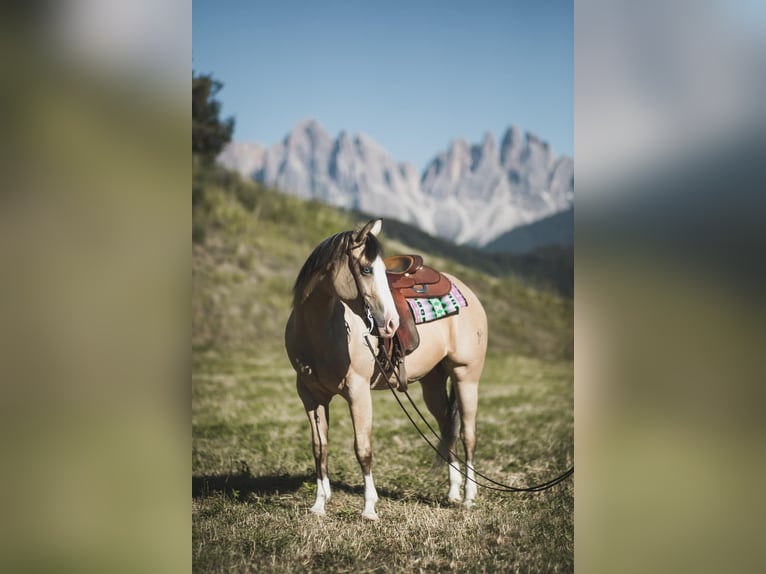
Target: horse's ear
373,226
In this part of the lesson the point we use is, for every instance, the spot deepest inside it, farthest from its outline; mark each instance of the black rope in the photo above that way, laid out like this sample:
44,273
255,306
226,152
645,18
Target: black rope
499,486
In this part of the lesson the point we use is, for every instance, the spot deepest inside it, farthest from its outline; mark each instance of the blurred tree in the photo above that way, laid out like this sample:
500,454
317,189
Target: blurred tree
209,133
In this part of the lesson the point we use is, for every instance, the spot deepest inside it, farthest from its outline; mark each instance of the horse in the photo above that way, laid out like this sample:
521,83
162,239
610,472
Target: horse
341,299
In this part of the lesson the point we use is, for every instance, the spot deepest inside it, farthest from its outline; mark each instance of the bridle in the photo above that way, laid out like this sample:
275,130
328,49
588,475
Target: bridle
357,281
394,356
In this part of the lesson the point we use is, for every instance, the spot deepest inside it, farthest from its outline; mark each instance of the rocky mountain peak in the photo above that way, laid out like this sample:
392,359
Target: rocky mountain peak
469,193
484,154
309,126
307,139
510,146
488,145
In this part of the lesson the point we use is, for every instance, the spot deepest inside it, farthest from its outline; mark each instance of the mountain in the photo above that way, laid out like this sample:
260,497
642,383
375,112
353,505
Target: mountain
557,229
484,191
469,194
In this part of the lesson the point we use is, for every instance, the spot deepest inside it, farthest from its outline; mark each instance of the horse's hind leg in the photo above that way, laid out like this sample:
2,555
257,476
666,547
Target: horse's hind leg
319,418
360,405
434,386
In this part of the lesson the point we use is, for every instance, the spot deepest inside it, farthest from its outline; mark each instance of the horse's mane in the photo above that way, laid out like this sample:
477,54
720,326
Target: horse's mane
324,258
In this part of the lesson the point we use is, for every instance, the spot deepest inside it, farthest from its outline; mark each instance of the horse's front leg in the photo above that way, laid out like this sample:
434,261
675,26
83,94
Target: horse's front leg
360,404
319,419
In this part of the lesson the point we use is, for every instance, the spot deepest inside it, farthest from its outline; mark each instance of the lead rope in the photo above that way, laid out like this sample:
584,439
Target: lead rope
499,486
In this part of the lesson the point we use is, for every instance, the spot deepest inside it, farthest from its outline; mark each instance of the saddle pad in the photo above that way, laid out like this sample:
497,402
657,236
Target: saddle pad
425,310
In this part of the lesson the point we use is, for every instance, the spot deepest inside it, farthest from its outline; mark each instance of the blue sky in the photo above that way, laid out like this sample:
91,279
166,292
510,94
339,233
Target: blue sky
411,75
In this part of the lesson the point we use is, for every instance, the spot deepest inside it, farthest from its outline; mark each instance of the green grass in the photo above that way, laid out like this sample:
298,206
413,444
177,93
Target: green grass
254,479
252,464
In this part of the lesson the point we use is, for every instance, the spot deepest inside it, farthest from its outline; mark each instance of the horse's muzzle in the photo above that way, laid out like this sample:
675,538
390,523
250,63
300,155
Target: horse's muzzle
389,327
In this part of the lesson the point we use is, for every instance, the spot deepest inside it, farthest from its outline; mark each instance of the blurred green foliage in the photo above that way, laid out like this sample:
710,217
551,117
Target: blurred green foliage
209,132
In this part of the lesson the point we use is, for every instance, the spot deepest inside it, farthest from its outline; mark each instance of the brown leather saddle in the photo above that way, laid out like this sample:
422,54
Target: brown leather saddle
408,278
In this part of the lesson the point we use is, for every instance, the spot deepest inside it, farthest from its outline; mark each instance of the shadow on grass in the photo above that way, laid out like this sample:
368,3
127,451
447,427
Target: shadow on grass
269,485
245,484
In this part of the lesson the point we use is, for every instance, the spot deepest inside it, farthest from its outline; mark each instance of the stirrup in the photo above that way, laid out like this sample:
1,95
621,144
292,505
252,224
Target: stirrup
400,371
391,356
401,375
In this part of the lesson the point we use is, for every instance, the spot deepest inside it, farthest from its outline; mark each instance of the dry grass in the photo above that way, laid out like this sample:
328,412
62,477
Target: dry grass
253,478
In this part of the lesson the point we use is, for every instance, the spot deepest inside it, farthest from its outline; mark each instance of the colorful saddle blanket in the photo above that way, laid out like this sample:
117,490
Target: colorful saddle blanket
425,310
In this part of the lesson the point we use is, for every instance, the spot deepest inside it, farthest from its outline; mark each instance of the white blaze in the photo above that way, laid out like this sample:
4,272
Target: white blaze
382,290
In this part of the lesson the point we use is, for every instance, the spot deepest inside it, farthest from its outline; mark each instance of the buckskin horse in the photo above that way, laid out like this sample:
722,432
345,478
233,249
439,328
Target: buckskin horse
341,290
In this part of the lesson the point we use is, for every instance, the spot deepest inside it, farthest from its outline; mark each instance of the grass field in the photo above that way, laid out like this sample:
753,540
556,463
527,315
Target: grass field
254,479
253,470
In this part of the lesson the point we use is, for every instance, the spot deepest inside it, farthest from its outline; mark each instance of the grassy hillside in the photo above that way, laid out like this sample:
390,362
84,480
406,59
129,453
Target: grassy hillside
548,268
556,229
253,471
249,244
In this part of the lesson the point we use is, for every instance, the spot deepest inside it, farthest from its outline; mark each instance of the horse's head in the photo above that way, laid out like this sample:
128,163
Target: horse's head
363,279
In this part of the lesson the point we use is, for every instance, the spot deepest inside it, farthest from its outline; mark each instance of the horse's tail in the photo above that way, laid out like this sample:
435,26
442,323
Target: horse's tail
452,429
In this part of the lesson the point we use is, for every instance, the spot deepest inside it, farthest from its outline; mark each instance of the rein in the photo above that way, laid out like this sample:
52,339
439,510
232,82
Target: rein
494,485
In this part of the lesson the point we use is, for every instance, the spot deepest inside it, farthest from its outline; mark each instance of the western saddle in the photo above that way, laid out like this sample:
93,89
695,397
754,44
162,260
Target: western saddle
408,278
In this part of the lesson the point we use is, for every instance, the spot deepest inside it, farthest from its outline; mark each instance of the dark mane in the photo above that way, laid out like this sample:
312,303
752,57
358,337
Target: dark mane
322,260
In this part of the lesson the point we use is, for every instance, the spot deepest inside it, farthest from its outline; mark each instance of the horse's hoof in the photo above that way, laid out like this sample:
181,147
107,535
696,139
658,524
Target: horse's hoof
317,511
454,501
469,504
370,515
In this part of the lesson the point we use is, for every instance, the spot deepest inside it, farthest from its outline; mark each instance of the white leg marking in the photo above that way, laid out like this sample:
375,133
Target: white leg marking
470,486
323,495
455,478
326,488
370,498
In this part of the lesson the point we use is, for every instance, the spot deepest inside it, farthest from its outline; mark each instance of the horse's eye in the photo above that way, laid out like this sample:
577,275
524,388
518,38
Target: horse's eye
366,270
